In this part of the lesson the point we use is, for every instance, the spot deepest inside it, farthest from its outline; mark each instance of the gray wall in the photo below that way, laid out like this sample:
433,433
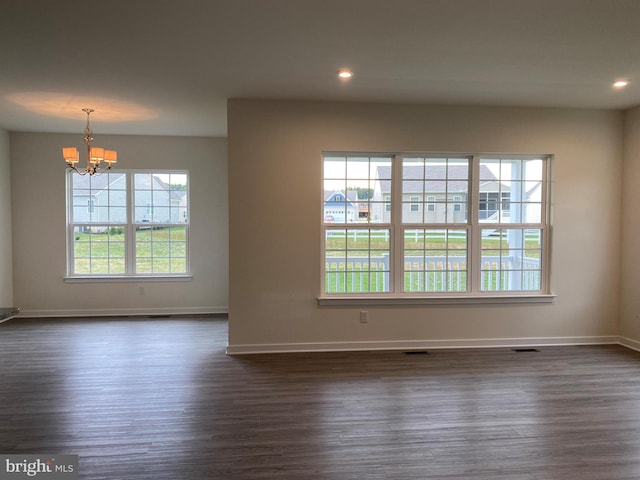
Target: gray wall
275,271
6,272
39,238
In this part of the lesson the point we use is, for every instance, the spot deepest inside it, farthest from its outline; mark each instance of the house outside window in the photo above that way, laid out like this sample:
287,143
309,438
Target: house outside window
484,228
138,226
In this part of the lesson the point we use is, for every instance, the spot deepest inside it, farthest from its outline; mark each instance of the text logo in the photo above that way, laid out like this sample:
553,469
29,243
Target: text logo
49,467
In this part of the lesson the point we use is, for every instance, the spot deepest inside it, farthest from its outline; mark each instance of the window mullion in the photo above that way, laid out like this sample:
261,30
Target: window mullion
545,222
475,244
397,229
70,223
130,243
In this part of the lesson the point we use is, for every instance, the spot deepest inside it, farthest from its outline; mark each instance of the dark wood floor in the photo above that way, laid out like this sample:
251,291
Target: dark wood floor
158,399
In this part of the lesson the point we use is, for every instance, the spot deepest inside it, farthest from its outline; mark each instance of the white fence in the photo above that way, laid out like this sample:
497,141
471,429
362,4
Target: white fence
430,274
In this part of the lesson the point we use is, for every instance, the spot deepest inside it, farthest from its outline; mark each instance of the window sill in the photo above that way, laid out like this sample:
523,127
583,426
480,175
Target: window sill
129,278
358,300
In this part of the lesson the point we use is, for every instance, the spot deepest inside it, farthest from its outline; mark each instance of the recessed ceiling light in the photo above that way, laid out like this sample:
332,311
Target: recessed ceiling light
620,83
344,73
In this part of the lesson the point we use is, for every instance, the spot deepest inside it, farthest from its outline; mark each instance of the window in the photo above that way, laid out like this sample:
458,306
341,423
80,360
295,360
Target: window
483,229
415,206
133,223
431,205
457,206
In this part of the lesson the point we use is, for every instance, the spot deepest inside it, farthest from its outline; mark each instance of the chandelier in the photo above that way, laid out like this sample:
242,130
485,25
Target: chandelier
95,155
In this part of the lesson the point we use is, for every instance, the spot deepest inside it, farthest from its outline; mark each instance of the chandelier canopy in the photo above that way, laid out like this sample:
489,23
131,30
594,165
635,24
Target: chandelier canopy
95,155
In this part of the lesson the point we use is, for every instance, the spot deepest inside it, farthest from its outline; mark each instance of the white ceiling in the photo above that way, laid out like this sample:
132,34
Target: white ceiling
167,67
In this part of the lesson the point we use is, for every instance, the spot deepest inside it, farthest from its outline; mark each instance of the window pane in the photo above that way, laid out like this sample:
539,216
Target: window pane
379,211
94,196
82,266
178,265
357,189
143,206
511,214
511,259
161,265
118,214
178,249
116,248
81,245
511,190
117,198
98,250
142,181
435,260
357,260
101,214
117,266
358,168
458,169
160,249
160,198
143,265
336,240
442,186
413,168
161,214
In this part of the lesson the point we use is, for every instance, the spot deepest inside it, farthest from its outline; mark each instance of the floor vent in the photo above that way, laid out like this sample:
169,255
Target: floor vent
522,350
416,352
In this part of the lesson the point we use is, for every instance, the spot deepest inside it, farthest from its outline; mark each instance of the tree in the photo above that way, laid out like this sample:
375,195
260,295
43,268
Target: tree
363,193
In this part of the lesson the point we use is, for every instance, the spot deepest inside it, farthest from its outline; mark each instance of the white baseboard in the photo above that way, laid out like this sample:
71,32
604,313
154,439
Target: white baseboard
419,344
404,345
123,312
629,343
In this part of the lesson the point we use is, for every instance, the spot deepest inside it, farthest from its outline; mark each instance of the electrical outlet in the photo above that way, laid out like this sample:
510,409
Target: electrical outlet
364,317
140,290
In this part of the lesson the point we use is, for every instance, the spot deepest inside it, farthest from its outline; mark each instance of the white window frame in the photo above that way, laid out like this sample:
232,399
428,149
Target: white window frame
414,203
474,226
129,228
457,205
431,203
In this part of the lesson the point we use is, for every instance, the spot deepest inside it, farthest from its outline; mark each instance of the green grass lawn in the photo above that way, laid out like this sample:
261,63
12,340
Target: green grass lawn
156,251
435,243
